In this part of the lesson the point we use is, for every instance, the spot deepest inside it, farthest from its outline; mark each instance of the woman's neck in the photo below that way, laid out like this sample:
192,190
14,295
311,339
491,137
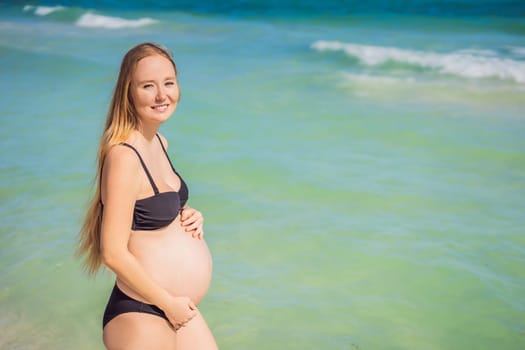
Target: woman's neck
148,131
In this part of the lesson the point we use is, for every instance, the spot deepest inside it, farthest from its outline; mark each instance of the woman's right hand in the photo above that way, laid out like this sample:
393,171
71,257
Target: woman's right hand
180,311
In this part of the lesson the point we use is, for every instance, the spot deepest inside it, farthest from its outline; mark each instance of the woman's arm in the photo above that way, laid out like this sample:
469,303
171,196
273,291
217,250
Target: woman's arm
120,187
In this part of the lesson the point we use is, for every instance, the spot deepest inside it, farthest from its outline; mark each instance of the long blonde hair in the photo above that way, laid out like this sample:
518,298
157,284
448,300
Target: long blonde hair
121,120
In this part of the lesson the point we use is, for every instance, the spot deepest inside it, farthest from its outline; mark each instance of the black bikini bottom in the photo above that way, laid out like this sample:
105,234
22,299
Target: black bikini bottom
120,303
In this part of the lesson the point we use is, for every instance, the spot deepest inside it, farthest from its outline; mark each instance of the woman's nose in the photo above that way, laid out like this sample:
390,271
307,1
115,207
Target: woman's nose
161,94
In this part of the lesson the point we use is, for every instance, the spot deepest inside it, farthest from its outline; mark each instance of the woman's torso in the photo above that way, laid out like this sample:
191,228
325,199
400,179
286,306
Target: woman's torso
173,258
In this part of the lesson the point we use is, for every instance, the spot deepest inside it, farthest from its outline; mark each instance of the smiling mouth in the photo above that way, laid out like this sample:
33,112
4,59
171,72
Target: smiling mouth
160,107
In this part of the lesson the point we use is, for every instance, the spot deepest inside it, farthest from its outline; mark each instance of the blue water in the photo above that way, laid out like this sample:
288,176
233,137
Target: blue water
361,167
291,8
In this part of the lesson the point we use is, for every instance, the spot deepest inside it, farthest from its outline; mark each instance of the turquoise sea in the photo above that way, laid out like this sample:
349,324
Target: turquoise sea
360,165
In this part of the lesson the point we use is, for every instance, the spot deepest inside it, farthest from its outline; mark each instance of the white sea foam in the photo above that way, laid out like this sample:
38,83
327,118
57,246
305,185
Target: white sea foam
518,51
98,21
478,52
367,78
469,64
43,10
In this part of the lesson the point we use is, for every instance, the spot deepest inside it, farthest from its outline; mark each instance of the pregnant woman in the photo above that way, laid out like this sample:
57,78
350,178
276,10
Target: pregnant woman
139,224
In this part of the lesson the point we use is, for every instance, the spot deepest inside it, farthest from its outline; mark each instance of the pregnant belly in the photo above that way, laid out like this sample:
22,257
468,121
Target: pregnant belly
178,262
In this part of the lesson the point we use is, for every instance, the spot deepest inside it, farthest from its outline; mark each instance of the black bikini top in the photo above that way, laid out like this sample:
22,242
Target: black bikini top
161,209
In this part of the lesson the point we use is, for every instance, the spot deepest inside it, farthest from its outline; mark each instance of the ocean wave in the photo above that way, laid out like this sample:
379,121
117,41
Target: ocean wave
375,79
43,10
98,21
464,63
460,8
518,51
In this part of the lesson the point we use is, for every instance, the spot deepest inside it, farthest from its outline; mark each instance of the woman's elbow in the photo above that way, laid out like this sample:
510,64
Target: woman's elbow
111,258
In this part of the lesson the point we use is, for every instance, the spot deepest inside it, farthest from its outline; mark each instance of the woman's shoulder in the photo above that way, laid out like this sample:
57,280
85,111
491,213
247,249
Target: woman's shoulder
119,163
120,157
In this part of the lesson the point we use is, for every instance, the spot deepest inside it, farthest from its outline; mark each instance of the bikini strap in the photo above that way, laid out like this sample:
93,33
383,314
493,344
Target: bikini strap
166,153
155,189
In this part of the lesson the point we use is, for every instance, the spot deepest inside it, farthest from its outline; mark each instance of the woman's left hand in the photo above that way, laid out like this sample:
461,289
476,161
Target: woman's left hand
192,221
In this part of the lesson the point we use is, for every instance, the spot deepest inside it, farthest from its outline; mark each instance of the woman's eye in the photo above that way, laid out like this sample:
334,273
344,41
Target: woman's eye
147,86
170,83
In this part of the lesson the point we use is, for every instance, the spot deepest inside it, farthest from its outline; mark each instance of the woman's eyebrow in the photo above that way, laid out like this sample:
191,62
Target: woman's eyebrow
153,80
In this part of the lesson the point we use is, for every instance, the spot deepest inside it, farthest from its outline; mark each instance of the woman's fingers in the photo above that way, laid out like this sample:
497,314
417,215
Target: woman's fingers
198,233
197,225
182,311
194,217
192,221
186,213
187,319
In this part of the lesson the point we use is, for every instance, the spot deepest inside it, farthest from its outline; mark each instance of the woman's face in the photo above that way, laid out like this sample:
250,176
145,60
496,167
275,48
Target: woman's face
154,89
